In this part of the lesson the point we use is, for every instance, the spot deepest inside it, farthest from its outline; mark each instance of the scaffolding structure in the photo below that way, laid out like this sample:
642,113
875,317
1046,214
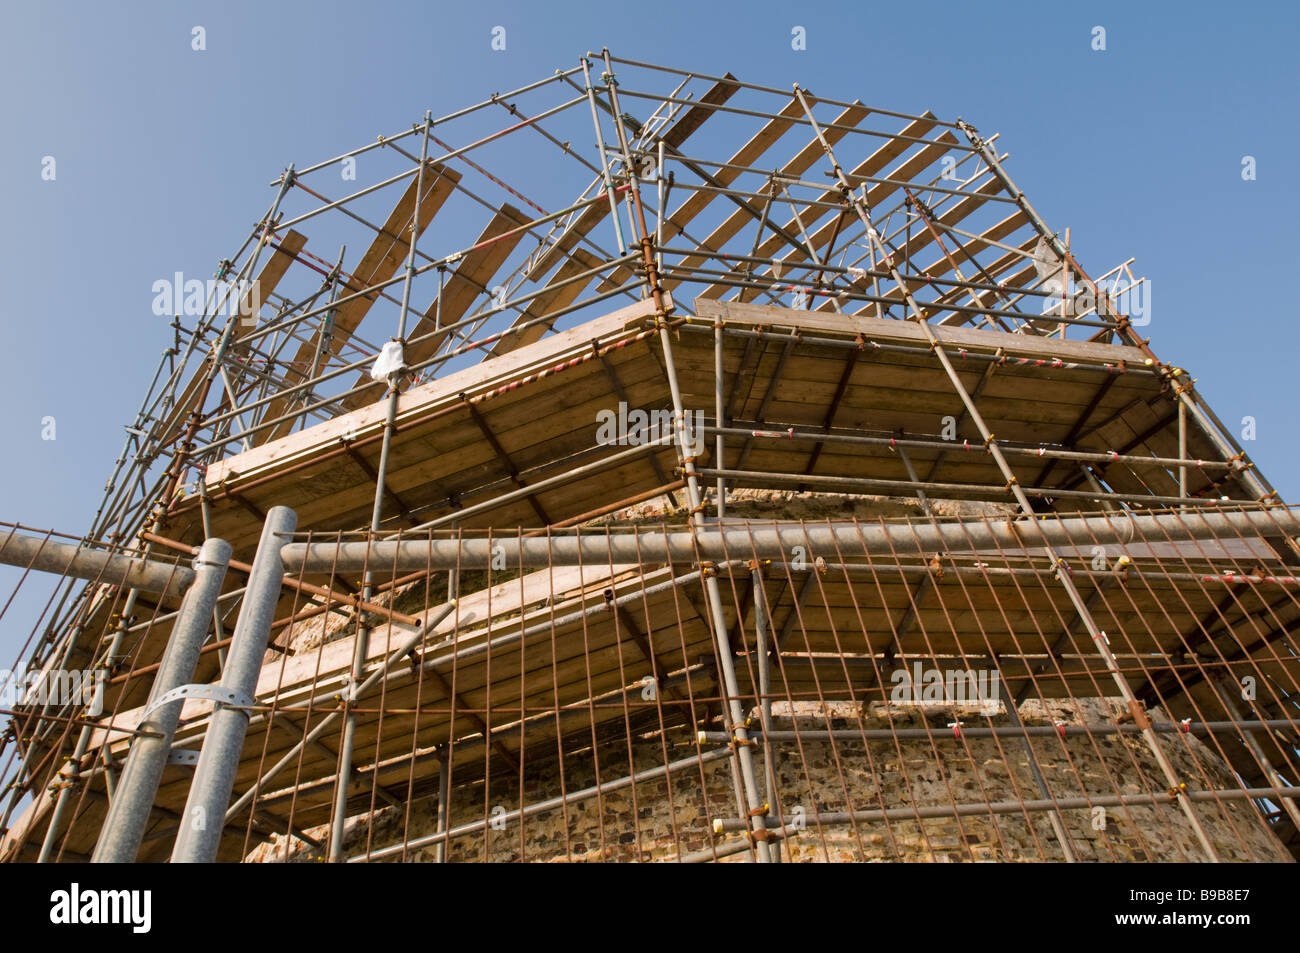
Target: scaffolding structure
610,533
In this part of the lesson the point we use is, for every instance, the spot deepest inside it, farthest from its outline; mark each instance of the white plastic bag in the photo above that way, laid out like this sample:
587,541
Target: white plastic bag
389,362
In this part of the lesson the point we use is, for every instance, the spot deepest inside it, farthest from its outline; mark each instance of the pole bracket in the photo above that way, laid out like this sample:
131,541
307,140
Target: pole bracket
223,697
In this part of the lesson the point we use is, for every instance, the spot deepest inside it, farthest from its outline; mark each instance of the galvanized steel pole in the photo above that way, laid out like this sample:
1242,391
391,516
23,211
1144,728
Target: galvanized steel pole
128,812
109,568
773,540
214,776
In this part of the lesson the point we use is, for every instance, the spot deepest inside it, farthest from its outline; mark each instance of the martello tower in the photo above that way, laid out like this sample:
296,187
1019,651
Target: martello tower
644,464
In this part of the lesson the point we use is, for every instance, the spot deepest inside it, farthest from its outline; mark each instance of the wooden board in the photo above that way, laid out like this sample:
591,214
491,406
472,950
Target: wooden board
379,263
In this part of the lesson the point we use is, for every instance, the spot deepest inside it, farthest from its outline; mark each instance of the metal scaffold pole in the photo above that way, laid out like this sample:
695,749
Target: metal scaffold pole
214,775
129,809
361,647
756,808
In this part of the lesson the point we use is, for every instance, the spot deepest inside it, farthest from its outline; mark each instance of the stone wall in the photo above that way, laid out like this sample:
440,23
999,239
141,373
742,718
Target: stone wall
659,819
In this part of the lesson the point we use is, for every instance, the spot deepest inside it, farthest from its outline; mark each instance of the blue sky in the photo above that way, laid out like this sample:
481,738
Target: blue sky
164,156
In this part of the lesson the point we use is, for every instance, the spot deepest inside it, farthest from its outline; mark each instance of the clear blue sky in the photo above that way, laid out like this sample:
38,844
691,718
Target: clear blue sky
164,154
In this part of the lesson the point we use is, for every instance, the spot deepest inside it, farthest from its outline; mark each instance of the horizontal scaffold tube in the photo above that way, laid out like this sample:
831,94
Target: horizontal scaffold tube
774,540
70,559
